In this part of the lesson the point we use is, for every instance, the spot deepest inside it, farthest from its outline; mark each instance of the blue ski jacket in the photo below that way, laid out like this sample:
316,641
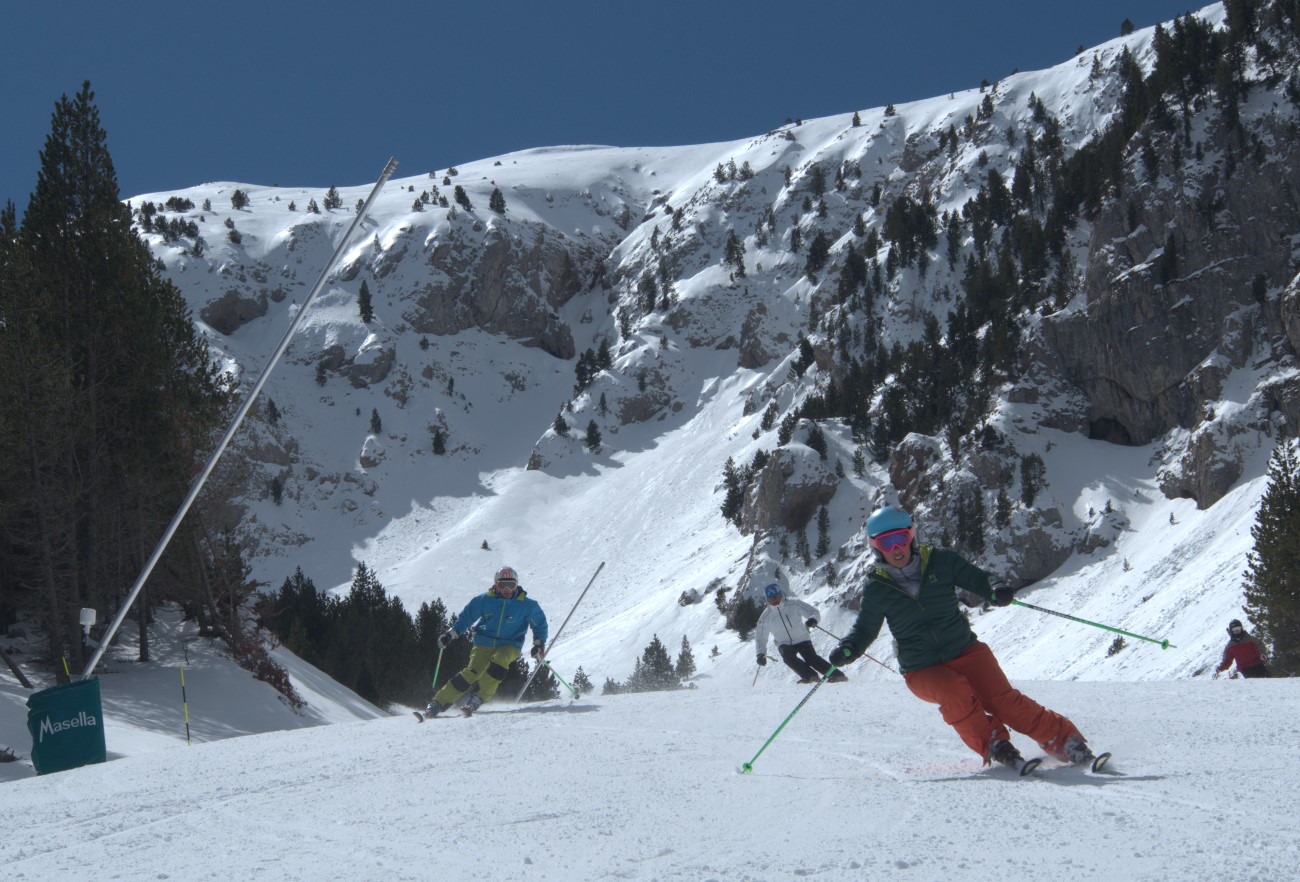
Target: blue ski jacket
498,621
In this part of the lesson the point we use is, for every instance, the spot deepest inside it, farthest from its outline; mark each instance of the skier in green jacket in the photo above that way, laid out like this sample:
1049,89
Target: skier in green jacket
914,588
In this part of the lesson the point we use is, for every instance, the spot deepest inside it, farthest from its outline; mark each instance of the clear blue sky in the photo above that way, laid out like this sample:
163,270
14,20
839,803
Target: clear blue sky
322,93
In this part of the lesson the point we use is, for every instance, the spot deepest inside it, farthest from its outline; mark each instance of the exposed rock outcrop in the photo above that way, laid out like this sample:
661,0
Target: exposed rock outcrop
789,490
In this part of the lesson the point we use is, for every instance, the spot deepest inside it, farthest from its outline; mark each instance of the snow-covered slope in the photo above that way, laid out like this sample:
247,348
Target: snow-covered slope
864,782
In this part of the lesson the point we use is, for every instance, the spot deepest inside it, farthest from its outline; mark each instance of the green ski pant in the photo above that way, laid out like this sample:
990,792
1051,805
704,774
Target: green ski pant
488,666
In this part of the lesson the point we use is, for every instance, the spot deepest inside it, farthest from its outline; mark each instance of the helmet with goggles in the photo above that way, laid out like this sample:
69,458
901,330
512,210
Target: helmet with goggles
506,580
889,527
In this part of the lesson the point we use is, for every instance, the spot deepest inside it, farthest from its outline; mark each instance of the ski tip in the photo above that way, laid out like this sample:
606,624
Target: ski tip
1099,762
419,717
1029,765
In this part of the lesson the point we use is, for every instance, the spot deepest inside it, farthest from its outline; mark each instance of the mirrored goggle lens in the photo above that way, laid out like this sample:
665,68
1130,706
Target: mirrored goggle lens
891,540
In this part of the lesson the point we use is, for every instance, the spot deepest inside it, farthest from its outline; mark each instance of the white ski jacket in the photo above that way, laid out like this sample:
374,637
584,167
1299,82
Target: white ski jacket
785,622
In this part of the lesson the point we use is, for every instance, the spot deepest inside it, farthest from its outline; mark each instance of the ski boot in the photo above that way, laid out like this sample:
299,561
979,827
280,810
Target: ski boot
1079,754
431,711
473,703
1004,752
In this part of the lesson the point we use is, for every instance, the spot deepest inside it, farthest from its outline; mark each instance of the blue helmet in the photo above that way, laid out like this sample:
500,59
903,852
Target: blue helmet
887,518
773,590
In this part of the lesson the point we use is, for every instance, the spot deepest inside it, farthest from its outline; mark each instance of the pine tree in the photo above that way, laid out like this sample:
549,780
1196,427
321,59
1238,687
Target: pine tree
1272,592
462,198
238,200
734,492
497,202
376,425
364,306
543,687
654,670
332,199
742,615
817,441
823,532
1033,473
685,661
110,393
734,255
582,682
801,546
561,425
1002,514
593,437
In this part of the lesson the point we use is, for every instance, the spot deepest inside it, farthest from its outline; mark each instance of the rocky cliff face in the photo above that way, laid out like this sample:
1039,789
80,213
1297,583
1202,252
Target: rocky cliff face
502,280
1185,283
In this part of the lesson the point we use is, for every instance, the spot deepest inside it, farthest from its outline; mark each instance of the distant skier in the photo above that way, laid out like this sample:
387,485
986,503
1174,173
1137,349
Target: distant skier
913,587
500,618
1245,651
788,620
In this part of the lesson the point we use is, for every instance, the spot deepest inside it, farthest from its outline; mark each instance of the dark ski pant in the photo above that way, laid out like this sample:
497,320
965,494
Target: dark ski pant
1257,671
803,659
977,700
488,666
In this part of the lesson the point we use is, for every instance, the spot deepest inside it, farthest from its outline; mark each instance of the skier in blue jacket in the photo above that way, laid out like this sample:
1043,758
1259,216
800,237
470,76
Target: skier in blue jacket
500,618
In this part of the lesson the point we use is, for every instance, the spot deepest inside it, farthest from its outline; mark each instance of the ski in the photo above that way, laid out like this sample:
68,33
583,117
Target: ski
1027,767
1099,761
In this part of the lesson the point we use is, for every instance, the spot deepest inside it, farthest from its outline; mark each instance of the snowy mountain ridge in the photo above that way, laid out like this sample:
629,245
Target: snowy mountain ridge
479,316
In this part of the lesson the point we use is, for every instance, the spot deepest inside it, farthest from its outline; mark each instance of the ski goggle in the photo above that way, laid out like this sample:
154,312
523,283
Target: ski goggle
507,585
887,542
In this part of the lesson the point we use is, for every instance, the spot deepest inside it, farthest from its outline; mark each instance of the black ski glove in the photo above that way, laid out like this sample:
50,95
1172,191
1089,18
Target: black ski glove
843,654
811,623
445,638
1002,595
538,651
762,660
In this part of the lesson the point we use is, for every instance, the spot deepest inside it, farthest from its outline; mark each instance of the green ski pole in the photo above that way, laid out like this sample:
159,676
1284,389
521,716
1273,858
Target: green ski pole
438,667
561,679
1163,644
749,766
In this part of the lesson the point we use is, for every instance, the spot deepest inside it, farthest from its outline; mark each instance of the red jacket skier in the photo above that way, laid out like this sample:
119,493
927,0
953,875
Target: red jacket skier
1244,650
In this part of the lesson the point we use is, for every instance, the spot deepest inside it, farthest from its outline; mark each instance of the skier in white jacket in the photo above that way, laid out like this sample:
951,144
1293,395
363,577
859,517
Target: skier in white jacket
788,620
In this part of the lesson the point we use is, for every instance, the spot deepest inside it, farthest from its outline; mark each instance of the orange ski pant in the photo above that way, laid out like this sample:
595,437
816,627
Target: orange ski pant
977,700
